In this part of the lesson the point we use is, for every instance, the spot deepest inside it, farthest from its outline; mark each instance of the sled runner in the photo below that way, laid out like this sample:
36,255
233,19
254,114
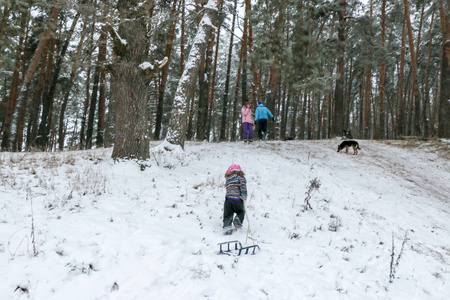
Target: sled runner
227,248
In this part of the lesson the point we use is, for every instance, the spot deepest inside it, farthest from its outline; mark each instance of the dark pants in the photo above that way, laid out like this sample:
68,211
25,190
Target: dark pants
247,130
230,208
262,127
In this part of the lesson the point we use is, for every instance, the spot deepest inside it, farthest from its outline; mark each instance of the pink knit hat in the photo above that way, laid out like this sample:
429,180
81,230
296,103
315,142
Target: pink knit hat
234,167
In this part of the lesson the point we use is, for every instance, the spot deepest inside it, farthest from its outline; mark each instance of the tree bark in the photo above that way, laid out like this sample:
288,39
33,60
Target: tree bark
339,118
275,69
235,112
165,71
11,106
92,106
381,133
183,37
33,126
426,90
75,65
43,136
303,117
255,85
204,79
244,46
294,117
444,98
401,120
131,84
223,124
274,85
284,105
14,88
82,144
415,88
102,88
213,79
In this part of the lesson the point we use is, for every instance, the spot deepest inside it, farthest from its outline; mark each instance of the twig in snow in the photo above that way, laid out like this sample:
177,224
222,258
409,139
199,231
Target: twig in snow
314,185
33,236
393,267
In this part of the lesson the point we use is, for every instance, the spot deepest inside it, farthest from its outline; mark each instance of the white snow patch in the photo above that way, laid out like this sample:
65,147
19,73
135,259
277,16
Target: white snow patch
112,230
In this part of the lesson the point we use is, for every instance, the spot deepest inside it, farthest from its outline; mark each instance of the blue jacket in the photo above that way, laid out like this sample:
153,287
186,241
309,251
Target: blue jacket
262,112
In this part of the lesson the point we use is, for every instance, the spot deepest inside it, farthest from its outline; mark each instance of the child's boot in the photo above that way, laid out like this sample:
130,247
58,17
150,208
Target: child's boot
237,222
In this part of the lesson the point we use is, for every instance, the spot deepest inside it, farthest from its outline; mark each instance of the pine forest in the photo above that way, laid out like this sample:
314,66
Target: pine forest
79,74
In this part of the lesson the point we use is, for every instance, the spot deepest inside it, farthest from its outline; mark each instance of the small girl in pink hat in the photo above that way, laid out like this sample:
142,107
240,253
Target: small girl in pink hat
236,194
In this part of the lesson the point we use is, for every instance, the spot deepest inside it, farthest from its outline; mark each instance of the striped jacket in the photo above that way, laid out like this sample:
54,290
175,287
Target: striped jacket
236,185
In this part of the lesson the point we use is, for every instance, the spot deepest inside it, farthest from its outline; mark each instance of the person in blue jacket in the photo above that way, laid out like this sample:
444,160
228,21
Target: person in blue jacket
262,114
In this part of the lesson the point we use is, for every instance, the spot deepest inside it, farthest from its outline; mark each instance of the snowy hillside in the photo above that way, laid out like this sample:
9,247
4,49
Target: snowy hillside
77,225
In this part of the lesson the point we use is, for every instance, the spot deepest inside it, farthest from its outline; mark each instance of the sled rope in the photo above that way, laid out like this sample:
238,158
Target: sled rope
248,227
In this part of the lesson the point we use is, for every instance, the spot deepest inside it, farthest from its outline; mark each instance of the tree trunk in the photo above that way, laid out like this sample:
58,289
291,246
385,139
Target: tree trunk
165,71
444,100
92,105
85,108
320,126
213,79
381,133
32,130
248,7
401,113
244,46
426,90
284,104
204,78
367,116
131,84
309,118
415,88
274,85
61,132
235,112
183,37
102,50
339,118
348,101
361,107
102,88
190,105
223,124
294,117
43,136
14,88
275,69
302,120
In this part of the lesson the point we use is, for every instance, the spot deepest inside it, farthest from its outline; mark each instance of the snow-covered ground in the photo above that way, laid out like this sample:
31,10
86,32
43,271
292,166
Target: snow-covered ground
77,225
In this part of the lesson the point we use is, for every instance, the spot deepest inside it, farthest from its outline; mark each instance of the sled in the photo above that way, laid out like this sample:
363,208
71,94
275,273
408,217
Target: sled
235,247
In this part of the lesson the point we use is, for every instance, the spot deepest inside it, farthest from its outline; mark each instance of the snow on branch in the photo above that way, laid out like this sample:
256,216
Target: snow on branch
150,68
146,65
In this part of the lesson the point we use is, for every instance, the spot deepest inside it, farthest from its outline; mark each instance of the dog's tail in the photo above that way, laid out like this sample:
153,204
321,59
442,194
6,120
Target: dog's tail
359,148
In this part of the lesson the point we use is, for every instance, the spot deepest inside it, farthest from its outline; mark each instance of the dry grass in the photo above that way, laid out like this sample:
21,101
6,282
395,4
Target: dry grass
40,173
432,145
